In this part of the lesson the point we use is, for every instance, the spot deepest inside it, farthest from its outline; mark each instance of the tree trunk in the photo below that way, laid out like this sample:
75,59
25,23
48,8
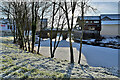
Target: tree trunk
33,35
69,29
39,42
33,27
40,33
71,49
28,39
82,8
52,55
14,34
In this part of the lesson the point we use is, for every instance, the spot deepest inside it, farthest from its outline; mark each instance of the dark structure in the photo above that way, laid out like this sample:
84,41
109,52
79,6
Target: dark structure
41,24
46,33
92,27
44,23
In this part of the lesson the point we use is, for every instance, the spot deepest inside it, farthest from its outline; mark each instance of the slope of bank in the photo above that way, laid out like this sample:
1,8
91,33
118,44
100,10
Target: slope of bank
16,63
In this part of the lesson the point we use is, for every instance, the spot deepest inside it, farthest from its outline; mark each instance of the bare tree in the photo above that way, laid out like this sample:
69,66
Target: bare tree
35,8
18,11
84,9
33,27
6,10
46,5
52,26
70,25
61,18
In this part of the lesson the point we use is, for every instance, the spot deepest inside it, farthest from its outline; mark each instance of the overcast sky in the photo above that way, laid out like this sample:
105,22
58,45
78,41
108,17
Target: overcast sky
103,7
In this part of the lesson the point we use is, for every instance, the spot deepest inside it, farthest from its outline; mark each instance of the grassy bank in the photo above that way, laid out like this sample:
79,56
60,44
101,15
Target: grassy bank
17,63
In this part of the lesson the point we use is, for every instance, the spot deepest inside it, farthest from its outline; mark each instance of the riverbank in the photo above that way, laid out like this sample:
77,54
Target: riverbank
16,63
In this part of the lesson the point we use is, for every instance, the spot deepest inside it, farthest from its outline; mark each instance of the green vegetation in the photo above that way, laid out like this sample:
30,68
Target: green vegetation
6,67
10,67
7,59
18,74
52,74
16,68
24,69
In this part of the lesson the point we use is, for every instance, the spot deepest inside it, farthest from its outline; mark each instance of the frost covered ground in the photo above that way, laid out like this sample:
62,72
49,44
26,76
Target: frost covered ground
94,56
16,63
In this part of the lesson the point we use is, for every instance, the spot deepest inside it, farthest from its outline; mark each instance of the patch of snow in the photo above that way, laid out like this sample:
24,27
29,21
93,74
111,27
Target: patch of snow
109,40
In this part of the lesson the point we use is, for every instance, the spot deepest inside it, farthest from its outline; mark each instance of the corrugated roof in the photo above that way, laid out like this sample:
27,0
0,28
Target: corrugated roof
111,16
90,17
111,22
